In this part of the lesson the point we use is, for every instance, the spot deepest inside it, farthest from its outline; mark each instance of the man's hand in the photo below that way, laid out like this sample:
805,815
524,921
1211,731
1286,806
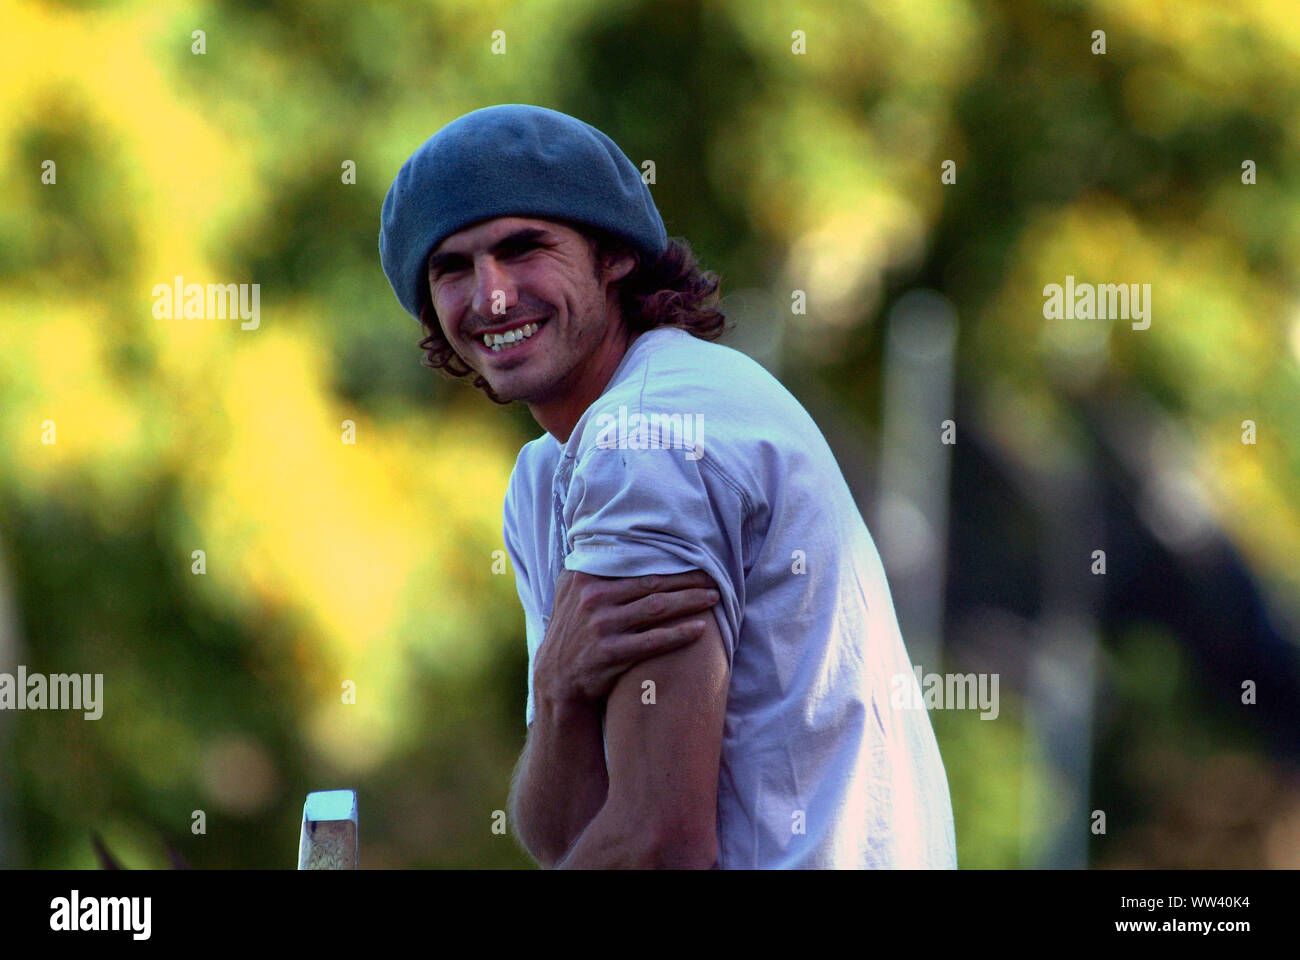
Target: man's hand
601,626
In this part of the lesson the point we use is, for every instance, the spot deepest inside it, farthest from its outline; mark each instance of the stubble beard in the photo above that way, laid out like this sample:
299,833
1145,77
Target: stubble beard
559,377
571,355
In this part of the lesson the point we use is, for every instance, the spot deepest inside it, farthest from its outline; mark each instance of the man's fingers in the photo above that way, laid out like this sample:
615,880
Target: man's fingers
636,647
658,607
631,589
681,581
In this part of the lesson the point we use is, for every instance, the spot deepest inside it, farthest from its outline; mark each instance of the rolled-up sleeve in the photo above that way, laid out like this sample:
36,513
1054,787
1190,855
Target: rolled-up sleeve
631,513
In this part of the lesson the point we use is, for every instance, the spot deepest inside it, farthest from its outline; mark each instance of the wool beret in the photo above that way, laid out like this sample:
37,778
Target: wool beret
509,160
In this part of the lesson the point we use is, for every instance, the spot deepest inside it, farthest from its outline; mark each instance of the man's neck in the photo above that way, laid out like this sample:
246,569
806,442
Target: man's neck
558,417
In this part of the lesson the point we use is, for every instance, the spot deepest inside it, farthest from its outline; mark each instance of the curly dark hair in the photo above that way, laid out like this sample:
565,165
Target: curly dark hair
670,291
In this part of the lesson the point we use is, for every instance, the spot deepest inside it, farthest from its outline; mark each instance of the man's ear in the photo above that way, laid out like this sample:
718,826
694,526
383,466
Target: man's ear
620,264
626,265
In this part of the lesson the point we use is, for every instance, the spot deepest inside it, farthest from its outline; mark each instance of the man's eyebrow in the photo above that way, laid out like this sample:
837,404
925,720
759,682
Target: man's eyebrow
526,235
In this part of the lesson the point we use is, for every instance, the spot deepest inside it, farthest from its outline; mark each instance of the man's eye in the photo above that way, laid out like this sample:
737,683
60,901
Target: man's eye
456,266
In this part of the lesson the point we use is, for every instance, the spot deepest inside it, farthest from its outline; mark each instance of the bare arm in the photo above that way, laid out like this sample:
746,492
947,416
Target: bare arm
599,627
661,807
560,781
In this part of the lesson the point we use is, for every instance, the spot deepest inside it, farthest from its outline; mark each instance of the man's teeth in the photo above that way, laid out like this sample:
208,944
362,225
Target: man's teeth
498,341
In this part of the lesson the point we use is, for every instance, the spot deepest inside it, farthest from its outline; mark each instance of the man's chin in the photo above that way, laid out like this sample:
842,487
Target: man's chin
517,389
529,382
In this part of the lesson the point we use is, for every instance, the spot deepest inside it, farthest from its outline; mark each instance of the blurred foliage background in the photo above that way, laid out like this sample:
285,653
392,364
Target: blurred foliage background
818,171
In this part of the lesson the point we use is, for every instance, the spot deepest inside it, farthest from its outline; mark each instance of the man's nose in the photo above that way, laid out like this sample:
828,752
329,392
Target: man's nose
494,289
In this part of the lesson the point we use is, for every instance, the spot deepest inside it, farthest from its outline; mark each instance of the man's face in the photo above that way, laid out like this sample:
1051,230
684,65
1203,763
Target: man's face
532,282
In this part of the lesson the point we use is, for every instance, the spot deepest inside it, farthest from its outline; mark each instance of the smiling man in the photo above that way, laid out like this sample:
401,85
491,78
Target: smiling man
711,639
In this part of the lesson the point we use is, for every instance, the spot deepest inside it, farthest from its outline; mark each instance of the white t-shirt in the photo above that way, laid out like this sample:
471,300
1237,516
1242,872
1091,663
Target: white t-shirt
696,457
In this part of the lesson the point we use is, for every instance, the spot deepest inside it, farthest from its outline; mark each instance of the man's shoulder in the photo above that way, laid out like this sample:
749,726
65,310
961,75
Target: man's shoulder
714,410
669,370
664,351
536,459
538,451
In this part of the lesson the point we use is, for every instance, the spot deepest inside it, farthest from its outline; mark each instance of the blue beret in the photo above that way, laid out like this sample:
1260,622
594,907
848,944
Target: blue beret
509,160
